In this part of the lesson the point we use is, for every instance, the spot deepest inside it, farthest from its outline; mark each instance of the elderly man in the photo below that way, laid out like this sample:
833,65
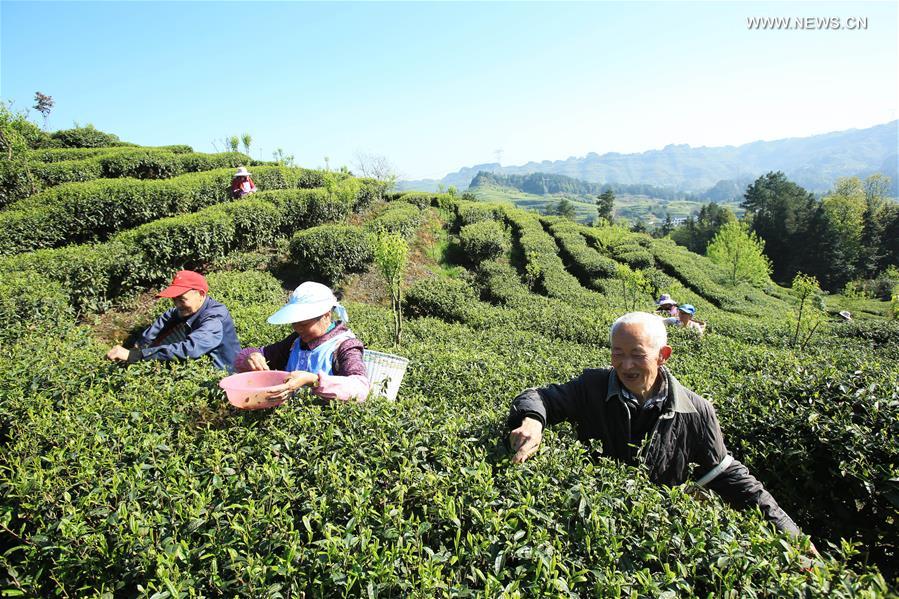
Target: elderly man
196,326
639,404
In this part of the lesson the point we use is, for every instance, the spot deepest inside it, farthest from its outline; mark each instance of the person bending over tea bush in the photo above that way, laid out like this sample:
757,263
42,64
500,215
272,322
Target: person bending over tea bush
640,412
196,326
321,353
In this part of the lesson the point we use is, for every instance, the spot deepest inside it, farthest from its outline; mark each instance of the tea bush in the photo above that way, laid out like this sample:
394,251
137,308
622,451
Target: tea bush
540,251
398,217
64,154
424,199
483,240
586,262
328,253
85,137
92,211
30,302
136,163
140,481
143,481
475,212
93,275
452,300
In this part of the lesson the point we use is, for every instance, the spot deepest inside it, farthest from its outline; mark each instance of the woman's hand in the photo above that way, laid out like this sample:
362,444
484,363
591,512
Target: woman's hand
296,379
256,361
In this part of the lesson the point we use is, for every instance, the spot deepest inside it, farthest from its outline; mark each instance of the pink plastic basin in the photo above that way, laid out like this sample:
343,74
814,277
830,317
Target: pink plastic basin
249,390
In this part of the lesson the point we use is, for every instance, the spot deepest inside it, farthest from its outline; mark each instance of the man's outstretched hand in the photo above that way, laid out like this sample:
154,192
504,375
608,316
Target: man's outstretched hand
525,440
117,354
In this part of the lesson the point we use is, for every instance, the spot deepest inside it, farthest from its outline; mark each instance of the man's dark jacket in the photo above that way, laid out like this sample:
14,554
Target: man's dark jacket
210,330
686,432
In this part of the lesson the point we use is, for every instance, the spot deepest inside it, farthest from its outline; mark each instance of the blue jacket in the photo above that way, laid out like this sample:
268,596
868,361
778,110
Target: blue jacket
208,331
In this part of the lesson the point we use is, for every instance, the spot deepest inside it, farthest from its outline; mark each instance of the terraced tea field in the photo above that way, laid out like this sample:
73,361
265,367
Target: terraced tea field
144,481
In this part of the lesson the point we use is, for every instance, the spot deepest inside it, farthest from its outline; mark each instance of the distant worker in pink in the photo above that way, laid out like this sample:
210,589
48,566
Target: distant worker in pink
241,184
321,353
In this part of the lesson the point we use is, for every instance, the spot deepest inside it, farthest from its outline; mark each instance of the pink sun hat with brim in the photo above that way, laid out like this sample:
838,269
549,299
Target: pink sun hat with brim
308,301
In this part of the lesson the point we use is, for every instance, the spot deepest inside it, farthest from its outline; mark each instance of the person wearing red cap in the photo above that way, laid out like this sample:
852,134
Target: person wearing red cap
197,325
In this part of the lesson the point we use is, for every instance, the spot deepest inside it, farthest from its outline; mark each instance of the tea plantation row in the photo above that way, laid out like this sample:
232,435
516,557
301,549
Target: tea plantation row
143,481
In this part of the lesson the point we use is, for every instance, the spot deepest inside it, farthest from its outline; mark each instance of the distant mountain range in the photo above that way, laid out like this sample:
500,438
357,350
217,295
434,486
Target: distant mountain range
718,173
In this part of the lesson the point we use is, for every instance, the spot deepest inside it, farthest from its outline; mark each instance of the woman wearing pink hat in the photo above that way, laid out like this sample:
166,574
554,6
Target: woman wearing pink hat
321,353
241,184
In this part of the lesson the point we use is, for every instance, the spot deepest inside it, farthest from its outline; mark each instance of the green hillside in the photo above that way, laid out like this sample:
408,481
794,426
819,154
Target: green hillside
627,206
143,480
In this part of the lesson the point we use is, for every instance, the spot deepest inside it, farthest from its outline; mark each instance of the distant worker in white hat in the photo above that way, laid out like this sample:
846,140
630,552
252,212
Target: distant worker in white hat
684,319
241,184
321,353
667,305
845,314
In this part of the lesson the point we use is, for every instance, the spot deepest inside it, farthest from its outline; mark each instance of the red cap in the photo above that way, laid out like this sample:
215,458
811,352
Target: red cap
184,281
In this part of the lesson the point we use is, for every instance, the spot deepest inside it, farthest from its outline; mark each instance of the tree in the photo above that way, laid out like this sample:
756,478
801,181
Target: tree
233,142
390,255
605,206
666,227
247,139
43,104
780,213
696,234
633,283
811,306
281,158
565,209
845,208
872,252
741,253
376,166
890,238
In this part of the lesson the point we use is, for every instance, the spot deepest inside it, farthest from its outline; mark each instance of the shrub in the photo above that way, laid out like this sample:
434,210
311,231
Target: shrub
90,274
93,275
66,154
473,212
92,211
370,191
483,240
634,256
251,288
541,256
50,174
586,262
397,217
116,480
441,297
303,208
31,302
423,199
328,253
85,137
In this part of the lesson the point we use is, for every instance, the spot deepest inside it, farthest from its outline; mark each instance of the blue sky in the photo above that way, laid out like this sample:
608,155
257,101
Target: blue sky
438,86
